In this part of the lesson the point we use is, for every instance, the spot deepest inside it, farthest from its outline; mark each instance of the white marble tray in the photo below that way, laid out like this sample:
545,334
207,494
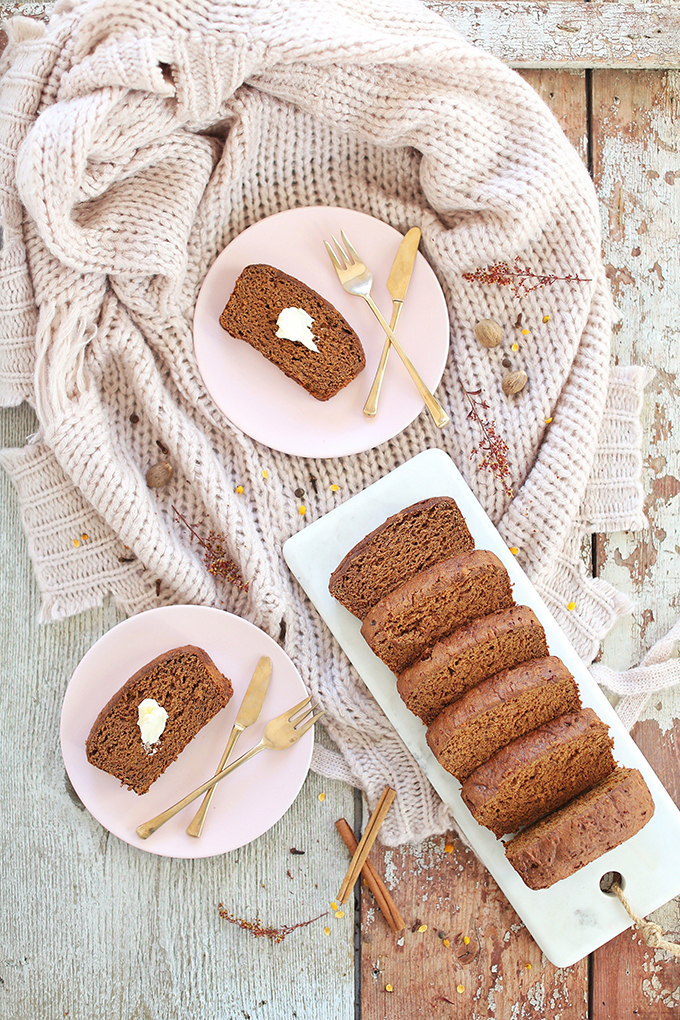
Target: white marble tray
573,917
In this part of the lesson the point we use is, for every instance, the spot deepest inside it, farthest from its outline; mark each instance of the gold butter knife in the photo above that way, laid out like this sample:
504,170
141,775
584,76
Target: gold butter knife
397,285
251,706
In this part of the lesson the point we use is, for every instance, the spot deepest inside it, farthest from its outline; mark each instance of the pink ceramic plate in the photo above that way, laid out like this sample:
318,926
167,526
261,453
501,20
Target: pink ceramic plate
259,399
246,803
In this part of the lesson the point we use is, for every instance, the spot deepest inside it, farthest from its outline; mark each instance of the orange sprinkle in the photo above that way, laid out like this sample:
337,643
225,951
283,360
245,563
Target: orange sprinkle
548,420
445,942
514,550
571,605
239,489
302,511
334,905
448,849
84,537
334,487
546,318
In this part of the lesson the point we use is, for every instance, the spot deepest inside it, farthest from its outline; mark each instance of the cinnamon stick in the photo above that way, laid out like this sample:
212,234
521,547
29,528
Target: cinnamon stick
373,880
366,842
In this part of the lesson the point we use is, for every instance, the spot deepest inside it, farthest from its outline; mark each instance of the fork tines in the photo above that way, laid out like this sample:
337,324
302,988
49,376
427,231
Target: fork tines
347,260
299,715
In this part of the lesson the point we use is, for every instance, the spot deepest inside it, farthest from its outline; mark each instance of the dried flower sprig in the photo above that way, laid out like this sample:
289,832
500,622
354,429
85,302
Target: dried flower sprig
520,278
259,931
492,448
216,559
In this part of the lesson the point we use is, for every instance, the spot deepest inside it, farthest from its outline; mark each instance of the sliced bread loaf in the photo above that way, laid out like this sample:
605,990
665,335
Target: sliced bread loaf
184,683
499,710
469,654
434,602
540,772
584,829
324,357
407,542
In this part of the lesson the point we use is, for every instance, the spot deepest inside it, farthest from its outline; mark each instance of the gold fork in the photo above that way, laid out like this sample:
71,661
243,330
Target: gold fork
358,280
279,734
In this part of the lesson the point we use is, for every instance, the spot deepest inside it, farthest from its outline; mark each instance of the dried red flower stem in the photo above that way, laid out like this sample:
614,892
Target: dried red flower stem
492,447
260,931
217,561
520,278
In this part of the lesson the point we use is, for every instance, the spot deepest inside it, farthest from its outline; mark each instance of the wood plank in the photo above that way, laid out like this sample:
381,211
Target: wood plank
569,33
635,168
564,92
491,966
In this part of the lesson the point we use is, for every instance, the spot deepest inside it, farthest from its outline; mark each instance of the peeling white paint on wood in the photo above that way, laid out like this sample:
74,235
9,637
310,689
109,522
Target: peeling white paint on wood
525,33
636,166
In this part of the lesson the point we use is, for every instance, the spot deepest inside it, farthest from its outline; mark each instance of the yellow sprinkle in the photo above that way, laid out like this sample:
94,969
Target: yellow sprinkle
302,511
466,940
548,420
322,796
334,488
389,988
239,489
528,966
339,913
460,988
326,931
514,550
546,318
515,347
445,942
265,474
84,537
525,332
448,849
571,605
76,542
423,927
334,905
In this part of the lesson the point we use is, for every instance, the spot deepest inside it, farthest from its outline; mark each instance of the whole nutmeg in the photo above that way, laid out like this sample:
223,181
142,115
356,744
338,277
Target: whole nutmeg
489,333
159,474
514,382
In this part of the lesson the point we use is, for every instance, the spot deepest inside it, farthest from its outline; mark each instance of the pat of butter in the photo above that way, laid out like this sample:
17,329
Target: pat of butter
294,324
151,720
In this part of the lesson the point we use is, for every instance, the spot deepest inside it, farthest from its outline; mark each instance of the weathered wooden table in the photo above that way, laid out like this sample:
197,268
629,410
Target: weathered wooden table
93,929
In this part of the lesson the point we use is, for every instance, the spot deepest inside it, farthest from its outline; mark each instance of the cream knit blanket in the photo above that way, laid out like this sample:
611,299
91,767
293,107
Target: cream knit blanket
137,138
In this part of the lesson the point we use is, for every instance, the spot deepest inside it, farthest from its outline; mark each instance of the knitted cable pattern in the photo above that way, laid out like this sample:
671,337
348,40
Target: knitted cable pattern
136,140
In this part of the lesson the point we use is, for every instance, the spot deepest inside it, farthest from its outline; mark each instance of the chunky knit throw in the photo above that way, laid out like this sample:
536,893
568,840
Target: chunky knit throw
139,137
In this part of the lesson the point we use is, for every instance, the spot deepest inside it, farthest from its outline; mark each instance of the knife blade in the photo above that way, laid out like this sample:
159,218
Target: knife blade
397,285
248,713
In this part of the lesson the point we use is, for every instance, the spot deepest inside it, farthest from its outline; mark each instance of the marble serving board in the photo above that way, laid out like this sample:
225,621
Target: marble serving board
573,917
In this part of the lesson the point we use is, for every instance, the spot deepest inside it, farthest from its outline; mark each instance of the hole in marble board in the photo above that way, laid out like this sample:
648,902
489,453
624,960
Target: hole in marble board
608,879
